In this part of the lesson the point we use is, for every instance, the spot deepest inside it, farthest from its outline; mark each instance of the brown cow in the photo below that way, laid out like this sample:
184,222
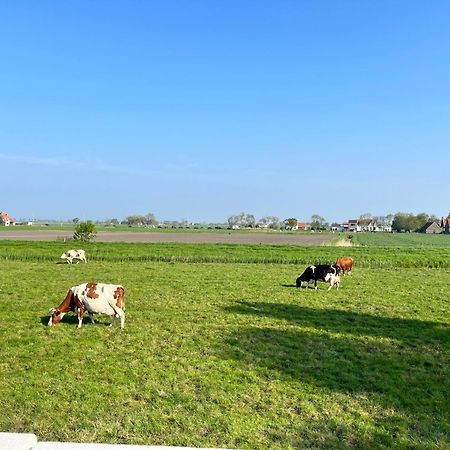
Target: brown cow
345,264
95,298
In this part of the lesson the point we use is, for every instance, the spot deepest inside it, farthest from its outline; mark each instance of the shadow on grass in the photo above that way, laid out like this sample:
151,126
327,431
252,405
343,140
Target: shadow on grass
401,364
72,319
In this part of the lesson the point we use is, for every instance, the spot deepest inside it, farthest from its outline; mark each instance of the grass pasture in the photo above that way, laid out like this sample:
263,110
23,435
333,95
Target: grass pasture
402,240
220,349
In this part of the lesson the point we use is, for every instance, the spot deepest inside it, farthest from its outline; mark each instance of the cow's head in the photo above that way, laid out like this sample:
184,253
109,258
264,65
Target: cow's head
68,304
65,255
56,316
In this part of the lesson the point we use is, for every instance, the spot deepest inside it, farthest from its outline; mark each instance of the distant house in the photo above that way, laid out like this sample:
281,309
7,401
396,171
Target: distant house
445,225
366,225
344,226
359,225
373,226
302,226
336,227
353,225
431,228
6,219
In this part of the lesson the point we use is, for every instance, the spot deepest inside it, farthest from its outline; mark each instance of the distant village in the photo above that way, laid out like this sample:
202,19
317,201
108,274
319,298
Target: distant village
371,225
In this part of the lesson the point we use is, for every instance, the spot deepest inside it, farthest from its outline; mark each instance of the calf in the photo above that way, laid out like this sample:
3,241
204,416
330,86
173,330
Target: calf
346,264
324,272
95,298
70,255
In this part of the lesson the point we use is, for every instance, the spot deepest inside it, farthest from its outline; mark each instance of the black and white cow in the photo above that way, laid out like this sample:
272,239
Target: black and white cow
323,272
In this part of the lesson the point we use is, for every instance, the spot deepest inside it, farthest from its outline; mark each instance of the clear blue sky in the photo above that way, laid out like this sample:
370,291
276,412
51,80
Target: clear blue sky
203,109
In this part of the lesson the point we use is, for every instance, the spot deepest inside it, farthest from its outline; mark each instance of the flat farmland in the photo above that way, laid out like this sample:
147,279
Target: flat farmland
225,237
221,350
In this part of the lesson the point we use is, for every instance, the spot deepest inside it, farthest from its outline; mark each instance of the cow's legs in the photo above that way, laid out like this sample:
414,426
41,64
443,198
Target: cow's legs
331,282
335,280
80,316
119,313
91,316
122,319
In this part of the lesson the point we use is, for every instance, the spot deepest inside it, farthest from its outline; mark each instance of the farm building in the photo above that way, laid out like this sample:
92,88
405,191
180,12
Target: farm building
303,226
445,225
362,225
431,228
6,219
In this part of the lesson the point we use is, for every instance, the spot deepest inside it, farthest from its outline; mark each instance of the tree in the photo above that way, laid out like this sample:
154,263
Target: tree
388,219
76,220
317,222
135,220
272,222
85,232
150,219
232,221
421,219
242,220
409,222
290,223
384,221
365,216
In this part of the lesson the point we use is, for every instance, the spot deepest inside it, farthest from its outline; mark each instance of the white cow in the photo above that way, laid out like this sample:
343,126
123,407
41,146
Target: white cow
95,298
70,255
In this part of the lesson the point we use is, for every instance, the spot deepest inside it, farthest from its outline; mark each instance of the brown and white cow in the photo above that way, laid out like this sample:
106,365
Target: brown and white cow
70,255
95,298
346,264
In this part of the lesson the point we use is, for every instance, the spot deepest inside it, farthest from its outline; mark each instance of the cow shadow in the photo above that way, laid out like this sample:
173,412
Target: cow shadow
72,319
402,364
289,285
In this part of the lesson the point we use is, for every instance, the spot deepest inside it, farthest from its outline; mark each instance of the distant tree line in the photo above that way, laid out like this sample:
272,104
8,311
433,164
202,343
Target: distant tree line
400,222
409,222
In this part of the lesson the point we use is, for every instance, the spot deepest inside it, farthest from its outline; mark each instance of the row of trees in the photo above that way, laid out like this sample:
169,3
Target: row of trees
399,222
411,222
245,220
402,222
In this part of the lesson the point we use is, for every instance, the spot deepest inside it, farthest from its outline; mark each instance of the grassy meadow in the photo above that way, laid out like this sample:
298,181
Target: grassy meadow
402,240
221,350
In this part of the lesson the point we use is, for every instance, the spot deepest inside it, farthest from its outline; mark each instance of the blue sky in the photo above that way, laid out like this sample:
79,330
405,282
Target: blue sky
202,109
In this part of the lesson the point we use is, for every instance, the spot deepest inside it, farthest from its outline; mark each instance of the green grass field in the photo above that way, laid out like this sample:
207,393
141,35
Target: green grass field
220,349
401,240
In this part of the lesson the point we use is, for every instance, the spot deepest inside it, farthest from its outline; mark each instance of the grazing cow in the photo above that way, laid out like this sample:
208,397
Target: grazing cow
95,298
346,264
74,254
324,272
